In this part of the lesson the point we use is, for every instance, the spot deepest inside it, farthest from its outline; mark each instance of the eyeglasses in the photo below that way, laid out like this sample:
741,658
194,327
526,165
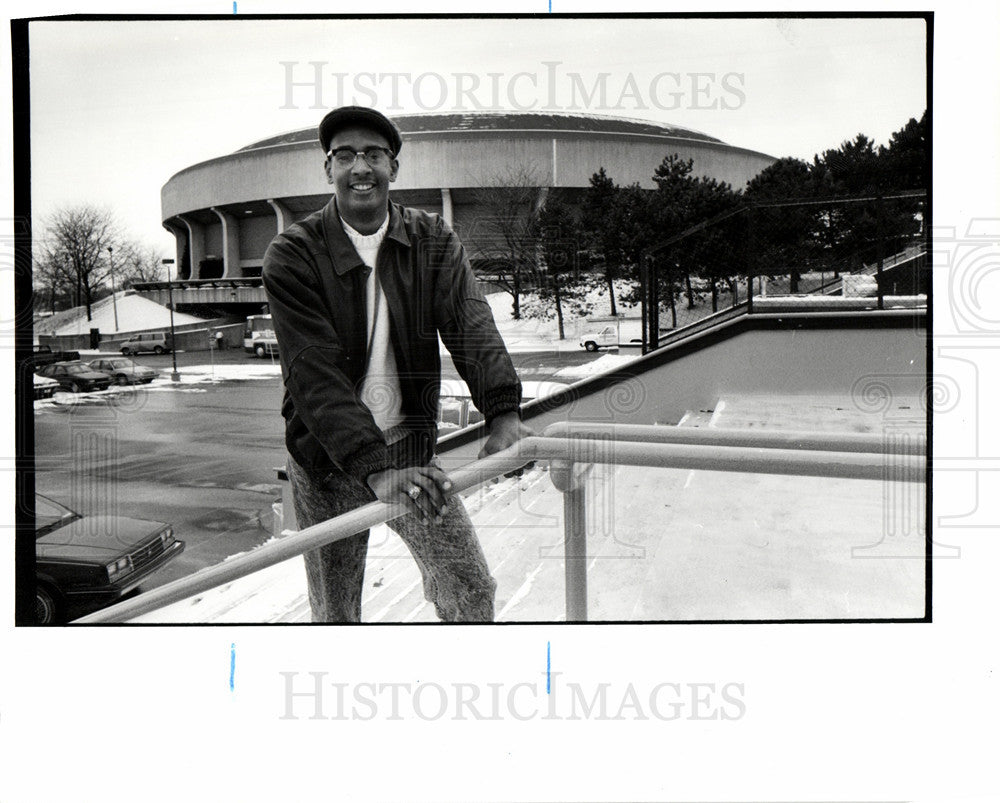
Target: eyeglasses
346,157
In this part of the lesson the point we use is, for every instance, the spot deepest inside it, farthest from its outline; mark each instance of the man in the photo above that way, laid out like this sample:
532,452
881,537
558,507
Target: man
359,293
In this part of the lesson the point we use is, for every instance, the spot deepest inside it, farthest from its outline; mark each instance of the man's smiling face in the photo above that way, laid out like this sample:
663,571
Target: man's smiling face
362,190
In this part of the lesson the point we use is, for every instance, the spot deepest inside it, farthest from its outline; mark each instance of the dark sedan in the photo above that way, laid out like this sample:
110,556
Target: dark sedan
85,563
124,371
76,376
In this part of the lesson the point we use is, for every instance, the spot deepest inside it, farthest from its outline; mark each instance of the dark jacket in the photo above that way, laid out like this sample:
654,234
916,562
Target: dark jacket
315,285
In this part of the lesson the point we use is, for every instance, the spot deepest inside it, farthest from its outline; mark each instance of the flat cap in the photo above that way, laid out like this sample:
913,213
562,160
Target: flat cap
359,115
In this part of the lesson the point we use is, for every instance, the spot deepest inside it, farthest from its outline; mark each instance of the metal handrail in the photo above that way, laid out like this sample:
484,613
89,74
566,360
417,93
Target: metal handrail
705,436
599,446
270,554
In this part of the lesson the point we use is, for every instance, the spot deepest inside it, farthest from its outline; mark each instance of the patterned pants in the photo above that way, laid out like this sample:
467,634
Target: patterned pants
456,578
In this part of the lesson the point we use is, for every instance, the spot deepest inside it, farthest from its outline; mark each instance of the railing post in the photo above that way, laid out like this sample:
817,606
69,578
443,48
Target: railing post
571,479
879,255
751,257
644,304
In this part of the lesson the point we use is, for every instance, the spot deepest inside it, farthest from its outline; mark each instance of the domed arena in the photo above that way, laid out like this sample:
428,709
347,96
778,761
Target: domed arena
224,212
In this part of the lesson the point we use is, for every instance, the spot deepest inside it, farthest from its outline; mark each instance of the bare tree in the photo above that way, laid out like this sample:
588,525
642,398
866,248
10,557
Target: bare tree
83,255
53,279
506,234
137,262
73,254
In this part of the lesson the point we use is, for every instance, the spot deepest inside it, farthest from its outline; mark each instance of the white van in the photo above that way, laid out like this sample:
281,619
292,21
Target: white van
154,342
594,339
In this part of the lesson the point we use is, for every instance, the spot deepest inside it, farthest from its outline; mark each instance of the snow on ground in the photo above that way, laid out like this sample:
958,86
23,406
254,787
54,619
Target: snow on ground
211,374
519,336
536,335
134,313
602,365
193,378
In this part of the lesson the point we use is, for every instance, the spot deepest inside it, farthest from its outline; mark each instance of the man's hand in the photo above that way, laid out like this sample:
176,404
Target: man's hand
506,430
423,489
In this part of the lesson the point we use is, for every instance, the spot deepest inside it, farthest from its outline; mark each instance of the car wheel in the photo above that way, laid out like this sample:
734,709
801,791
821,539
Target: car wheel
121,379
46,606
125,351
74,388
158,349
590,345
260,351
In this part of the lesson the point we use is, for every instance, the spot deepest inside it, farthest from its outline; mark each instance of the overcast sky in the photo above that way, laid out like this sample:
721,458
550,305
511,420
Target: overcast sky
118,107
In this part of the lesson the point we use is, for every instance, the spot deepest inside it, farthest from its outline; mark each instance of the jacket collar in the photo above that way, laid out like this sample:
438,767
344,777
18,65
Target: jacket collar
342,252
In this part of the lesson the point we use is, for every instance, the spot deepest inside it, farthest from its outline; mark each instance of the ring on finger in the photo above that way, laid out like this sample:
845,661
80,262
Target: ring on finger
414,492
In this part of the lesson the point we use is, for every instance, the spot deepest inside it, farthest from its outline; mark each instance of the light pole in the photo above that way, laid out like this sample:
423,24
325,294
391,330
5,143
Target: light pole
175,376
111,273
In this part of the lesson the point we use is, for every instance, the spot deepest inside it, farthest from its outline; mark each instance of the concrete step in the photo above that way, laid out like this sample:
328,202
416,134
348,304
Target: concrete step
828,413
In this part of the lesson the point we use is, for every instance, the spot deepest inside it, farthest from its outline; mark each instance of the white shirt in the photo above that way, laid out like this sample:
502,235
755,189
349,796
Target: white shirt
380,389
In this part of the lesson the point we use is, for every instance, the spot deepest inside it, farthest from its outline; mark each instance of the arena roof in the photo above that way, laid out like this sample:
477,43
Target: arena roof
416,124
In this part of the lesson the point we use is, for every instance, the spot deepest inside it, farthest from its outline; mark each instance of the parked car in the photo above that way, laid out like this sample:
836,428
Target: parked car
124,371
44,387
151,342
43,354
76,376
90,562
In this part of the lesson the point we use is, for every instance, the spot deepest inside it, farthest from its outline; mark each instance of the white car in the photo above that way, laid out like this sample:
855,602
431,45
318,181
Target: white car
124,371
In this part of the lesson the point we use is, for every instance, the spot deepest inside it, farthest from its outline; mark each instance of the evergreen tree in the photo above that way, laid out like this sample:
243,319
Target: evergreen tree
560,242
602,238
786,235
682,201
